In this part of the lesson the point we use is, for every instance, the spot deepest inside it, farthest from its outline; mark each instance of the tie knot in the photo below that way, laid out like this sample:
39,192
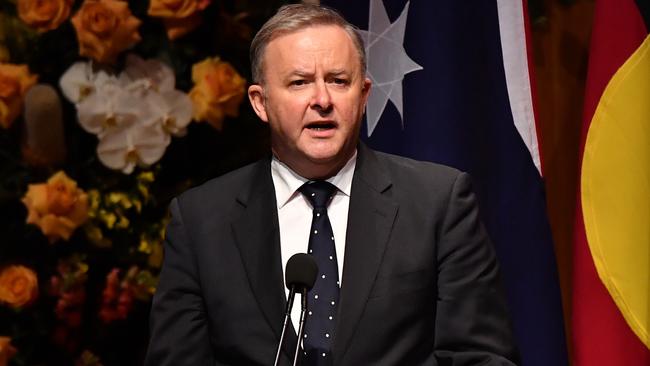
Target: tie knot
318,192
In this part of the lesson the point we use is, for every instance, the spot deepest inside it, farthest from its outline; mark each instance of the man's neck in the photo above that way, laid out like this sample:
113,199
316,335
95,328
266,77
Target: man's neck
316,171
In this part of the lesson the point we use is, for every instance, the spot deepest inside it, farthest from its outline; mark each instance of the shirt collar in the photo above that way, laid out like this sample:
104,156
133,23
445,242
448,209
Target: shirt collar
287,181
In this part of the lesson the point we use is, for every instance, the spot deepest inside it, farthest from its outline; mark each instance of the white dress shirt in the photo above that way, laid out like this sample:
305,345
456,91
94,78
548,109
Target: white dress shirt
295,215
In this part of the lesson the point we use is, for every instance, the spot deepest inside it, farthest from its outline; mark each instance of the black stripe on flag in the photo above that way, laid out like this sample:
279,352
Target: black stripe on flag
644,9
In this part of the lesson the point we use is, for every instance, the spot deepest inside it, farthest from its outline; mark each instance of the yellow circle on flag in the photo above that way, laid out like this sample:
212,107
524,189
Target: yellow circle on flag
615,186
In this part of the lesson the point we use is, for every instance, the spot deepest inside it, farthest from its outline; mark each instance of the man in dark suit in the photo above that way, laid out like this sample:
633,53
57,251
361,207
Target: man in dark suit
410,273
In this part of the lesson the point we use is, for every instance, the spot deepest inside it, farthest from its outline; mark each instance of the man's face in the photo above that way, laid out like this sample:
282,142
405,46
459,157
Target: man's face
313,97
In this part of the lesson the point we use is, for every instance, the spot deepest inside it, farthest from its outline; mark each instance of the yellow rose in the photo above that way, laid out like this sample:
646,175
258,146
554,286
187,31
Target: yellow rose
18,286
15,80
179,16
218,91
44,15
105,28
57,207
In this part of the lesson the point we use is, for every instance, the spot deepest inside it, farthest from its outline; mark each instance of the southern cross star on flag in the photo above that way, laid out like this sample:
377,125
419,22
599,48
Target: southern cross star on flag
451,84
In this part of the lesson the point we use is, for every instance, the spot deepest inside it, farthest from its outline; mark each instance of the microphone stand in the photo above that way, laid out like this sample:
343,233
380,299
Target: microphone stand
301,330
300,274
292,294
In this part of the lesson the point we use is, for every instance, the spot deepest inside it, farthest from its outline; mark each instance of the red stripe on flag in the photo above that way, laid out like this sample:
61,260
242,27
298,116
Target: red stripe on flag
600,334
618,31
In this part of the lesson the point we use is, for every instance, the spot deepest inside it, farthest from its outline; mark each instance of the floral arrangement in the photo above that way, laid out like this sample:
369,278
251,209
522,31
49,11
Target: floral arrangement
108,109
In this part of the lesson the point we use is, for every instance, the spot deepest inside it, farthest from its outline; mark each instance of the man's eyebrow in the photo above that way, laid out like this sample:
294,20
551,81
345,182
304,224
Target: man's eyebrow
309,74
338,72
300,73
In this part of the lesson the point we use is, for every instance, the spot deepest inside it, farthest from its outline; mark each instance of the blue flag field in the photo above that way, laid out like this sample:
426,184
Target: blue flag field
451,85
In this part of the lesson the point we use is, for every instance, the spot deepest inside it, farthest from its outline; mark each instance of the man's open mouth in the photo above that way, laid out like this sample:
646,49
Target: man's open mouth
321,126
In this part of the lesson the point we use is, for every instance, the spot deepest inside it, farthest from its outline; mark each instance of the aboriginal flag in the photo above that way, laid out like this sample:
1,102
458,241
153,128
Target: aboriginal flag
611,279
451,84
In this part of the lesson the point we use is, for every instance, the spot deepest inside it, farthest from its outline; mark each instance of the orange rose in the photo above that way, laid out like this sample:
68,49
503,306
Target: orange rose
179,16
57,207
105,28
18,286
15,80
7,351
218,91
44,15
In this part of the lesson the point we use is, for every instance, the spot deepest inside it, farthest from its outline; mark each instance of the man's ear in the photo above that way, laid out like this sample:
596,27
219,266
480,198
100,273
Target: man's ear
365,91
257,98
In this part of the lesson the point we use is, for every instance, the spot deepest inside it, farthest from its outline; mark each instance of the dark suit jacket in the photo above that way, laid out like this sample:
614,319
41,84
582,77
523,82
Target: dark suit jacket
420,279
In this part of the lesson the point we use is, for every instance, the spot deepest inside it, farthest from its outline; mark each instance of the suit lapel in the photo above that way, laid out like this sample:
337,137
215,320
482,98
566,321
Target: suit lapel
257,235
370,220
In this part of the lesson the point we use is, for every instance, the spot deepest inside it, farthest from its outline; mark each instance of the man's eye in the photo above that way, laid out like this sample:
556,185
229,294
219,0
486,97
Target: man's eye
298,82
340,81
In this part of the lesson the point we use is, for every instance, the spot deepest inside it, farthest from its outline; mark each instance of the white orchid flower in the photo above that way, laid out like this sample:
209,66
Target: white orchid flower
132,114
80,81
124,148
110,107
153,74
171,109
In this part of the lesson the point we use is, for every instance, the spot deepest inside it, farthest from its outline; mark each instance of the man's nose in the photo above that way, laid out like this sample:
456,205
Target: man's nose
321,100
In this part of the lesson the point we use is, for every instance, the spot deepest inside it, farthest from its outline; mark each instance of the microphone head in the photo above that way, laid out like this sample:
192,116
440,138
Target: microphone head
301,271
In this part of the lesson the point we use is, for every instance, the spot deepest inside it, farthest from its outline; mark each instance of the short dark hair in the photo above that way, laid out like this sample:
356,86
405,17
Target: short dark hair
292,18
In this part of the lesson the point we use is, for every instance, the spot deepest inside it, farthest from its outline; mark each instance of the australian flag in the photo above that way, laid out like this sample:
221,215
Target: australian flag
451,85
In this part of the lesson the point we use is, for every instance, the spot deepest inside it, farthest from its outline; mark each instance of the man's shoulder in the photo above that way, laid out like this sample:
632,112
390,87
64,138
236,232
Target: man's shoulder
406,169
225,187
420,187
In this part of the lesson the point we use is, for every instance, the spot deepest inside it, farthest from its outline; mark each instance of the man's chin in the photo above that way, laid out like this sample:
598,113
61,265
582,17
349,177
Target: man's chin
325,157
317,166
315,161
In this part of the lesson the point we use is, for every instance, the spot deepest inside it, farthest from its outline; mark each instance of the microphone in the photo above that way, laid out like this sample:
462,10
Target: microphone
300,276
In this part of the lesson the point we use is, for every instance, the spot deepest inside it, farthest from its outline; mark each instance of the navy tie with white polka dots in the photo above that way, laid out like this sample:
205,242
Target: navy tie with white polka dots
324,296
